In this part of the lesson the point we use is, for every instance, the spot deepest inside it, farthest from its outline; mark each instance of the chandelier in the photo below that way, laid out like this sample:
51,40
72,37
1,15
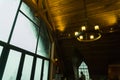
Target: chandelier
88,33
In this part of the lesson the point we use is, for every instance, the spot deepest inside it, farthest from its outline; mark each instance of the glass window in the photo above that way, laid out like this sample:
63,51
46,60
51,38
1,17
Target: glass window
27,11
26,73
46,70
25,34
40,50
8,9
12,64
84,68
38,69
1,50
44,42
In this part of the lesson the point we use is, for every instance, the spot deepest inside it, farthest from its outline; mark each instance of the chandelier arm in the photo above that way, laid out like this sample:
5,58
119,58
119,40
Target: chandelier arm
99,36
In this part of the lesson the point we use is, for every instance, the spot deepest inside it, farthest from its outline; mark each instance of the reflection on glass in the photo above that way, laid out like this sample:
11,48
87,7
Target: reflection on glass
41,49
12,64
45,71
1,50
38,69
25,34
8,9
27,68
27,11
44,42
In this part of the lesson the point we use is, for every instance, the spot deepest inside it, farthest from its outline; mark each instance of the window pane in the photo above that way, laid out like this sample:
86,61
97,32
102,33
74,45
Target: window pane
44,42
38,69
40,50
12,64
45,72
25,34
8,10
1,50
27,11
84,68
83,65
27,68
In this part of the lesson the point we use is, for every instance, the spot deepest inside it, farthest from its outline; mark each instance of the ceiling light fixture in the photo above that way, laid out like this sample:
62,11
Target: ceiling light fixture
86,33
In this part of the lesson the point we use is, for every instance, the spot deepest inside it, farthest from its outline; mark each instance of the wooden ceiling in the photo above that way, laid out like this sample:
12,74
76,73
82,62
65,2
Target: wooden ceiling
68,16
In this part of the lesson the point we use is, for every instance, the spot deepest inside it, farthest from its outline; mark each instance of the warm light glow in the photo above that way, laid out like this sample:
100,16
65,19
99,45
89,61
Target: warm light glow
56,59
90,39
96,27
61,28
60,24
34,1
91,36
111,18
76,33
108,18
83,28
81,37
58,21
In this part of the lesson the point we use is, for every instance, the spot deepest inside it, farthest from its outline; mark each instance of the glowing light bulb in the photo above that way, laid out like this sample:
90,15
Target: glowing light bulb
83,28
81,37
91,36
96,27
76,33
